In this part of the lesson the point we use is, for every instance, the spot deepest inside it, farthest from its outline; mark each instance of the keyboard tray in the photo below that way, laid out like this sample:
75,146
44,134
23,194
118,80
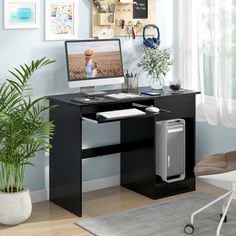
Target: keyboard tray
92,117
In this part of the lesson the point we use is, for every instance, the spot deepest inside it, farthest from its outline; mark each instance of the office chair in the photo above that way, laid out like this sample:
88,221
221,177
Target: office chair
220,167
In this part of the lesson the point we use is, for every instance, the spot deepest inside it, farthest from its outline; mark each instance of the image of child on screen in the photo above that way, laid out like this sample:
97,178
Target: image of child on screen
94,60
90,65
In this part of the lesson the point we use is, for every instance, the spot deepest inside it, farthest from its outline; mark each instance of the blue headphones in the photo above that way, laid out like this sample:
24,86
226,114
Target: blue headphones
149,42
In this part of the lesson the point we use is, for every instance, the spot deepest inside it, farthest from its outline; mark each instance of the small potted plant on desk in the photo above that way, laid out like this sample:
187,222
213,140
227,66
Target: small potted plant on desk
157,63
24,131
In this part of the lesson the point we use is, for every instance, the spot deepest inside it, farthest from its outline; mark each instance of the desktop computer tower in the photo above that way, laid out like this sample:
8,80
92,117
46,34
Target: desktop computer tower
170,149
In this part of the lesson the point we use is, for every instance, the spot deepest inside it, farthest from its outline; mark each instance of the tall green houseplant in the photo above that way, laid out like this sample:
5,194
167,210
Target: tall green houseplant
24,130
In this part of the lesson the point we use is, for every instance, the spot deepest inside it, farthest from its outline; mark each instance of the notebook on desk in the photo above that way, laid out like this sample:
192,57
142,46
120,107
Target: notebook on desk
120,96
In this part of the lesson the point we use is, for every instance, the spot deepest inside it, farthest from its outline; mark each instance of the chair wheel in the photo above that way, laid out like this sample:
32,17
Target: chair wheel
225,219
189,229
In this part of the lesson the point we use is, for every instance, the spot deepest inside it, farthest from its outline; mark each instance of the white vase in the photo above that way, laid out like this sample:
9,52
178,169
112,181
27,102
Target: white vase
15,208
157,83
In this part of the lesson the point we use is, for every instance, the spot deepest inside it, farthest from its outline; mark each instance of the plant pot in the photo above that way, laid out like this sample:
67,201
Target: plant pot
15,208
157,83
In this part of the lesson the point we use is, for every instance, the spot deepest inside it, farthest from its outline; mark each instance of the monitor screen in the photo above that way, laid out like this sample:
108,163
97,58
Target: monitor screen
94,60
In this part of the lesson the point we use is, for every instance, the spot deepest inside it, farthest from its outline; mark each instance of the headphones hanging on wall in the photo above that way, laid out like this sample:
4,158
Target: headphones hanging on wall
150,42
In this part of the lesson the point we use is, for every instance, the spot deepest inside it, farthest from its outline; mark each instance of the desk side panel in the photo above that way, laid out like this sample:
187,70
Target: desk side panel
65,158
138,165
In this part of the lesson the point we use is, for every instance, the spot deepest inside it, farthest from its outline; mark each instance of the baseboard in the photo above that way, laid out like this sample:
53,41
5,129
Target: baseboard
87,186
96,184
220,184
40,195
108,182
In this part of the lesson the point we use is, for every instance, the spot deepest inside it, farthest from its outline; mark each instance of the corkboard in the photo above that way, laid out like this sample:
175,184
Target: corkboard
124,12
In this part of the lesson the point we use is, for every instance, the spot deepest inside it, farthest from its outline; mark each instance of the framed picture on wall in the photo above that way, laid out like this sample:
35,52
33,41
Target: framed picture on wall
21,14
61,19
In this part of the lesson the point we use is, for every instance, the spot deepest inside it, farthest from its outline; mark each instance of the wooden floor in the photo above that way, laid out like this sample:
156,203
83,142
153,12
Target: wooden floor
50,220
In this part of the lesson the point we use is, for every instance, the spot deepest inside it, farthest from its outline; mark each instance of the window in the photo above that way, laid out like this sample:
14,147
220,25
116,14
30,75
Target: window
217,47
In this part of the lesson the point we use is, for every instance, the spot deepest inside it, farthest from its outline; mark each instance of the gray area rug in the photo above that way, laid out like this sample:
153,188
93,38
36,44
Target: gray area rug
164,219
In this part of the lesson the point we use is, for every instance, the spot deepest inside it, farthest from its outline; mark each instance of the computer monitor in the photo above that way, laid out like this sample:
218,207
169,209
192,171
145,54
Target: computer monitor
94,62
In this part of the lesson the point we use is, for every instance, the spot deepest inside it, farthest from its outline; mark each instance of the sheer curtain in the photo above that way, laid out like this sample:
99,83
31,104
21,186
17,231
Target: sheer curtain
207,45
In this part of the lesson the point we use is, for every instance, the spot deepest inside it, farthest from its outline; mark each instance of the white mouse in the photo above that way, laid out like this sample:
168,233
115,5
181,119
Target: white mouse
86,99
153,109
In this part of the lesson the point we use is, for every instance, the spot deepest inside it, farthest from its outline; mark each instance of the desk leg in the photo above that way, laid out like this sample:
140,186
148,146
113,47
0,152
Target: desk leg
138,166
65,158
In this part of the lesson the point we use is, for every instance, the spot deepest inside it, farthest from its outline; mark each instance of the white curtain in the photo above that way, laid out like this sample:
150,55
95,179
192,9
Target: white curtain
207,45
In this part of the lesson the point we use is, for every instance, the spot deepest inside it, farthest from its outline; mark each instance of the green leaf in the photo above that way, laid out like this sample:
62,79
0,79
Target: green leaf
27,163
16,76
4,116
16,86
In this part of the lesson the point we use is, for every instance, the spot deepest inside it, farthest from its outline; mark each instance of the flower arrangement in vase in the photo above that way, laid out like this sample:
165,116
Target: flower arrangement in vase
157,63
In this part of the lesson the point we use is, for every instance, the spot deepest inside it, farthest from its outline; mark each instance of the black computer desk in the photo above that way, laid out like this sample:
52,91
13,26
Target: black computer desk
136,146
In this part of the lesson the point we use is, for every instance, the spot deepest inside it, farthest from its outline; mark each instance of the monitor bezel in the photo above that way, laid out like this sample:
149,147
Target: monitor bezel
98,80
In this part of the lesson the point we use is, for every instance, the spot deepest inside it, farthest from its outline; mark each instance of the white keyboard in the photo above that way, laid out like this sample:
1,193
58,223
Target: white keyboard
120,113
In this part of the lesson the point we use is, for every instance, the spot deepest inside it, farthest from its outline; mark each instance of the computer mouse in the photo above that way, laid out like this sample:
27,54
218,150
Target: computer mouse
86,99
152,109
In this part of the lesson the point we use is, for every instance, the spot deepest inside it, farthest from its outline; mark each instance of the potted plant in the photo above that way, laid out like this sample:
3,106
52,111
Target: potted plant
157,63
24,131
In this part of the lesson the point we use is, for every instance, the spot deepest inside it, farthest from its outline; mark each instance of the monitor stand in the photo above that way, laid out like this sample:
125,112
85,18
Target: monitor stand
91,91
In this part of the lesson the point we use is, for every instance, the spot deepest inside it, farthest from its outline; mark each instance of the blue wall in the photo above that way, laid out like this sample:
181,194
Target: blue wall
214,139
20,46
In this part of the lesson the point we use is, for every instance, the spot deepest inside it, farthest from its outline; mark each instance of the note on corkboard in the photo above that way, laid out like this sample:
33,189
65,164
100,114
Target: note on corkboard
140,10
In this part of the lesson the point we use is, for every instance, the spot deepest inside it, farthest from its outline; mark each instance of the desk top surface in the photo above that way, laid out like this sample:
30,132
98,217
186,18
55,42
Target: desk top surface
165,92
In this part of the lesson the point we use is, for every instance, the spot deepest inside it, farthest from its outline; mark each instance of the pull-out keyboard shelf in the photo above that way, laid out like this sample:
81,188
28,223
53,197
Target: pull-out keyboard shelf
92,117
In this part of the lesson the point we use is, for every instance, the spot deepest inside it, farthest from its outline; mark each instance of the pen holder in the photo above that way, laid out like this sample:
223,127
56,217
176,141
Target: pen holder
130,84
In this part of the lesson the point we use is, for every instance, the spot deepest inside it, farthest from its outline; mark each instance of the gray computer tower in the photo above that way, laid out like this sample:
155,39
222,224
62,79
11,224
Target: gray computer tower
170,149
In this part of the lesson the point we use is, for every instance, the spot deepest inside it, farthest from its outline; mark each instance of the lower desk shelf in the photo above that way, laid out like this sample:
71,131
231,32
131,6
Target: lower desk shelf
157,191
178,187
